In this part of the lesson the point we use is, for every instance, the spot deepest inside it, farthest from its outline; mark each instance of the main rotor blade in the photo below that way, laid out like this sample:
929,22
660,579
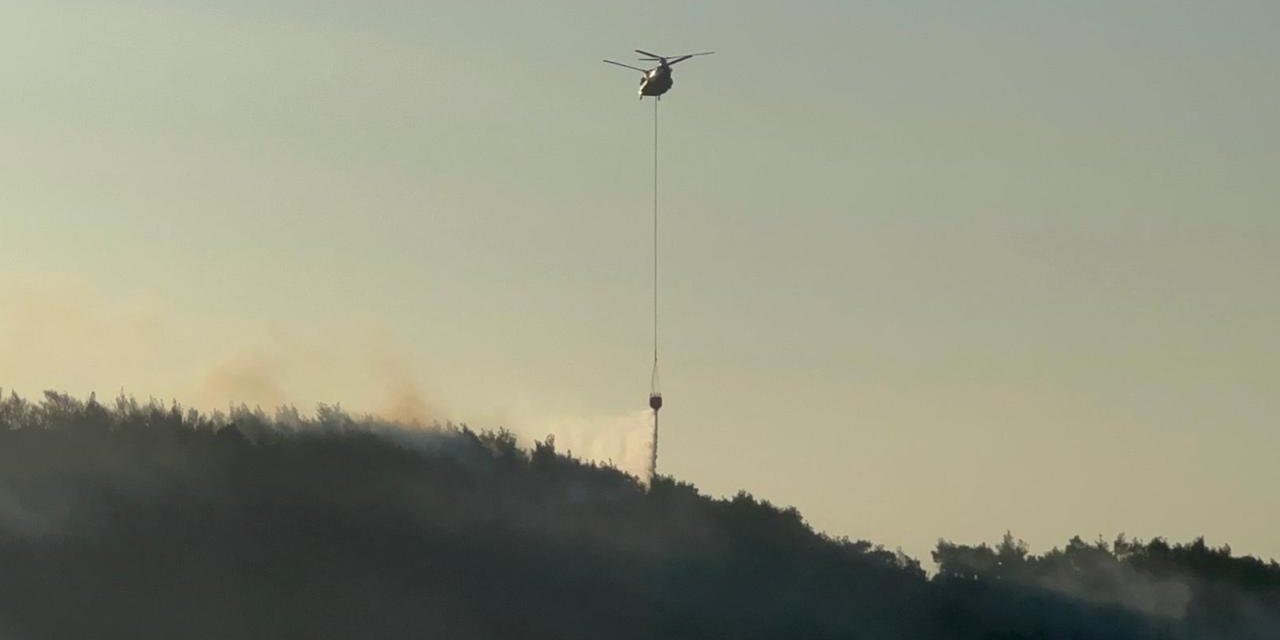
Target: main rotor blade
687,56
627,66
651,55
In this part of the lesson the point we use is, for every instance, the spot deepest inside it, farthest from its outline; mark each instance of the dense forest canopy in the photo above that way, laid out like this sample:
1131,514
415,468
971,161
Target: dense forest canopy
142,520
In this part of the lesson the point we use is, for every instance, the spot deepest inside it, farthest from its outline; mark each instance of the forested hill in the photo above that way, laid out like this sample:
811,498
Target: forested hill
144,521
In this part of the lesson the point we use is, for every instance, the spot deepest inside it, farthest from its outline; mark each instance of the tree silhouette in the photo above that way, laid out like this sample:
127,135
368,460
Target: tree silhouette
142,520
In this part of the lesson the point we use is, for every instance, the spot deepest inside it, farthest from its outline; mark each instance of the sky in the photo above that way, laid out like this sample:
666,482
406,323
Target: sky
929,270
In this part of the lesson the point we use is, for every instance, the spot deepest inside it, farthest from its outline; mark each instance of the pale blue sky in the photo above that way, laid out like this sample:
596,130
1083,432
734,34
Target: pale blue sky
930,269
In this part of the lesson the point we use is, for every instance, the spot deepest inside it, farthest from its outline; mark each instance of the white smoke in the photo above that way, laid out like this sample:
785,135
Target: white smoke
16,518
622,441
1120,584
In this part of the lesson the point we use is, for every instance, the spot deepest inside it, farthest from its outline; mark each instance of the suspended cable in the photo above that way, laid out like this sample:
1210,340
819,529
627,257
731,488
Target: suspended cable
655,394
655,247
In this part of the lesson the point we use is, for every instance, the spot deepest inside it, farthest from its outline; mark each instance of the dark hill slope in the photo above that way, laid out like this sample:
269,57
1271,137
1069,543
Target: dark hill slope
140,521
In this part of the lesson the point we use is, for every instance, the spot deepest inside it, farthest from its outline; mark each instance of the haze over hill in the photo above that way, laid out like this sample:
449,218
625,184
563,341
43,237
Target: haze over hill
138,520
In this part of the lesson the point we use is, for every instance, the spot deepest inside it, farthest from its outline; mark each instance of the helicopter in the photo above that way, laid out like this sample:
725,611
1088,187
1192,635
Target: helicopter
657,81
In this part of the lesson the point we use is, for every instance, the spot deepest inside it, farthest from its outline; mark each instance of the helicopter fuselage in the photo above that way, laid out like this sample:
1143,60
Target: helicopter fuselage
656,81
